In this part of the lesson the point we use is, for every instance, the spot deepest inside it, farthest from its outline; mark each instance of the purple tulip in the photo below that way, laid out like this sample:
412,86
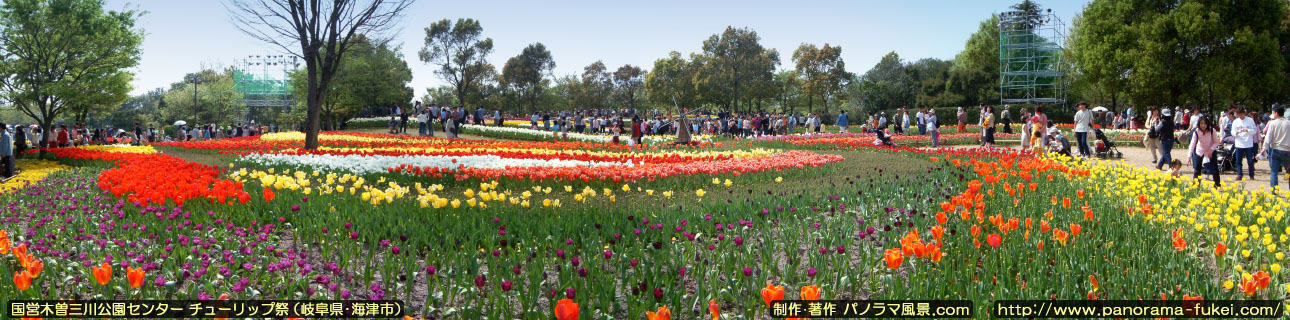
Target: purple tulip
506,286
748,272
810,272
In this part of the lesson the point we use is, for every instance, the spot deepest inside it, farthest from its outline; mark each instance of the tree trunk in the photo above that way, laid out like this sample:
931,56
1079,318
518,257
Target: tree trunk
313,101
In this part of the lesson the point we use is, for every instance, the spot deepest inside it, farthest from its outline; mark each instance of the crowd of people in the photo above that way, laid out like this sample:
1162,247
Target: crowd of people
450,119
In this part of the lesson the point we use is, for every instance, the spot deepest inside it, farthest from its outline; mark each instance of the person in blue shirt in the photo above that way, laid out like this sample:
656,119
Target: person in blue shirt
842,121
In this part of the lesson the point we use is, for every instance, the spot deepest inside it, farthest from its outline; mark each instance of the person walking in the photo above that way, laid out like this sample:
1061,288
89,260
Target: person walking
1165,129
1005,119
934,128
1277,144
1243,131
1152,139
987,127
842,122
1201,149
962,117
1083,119
921,117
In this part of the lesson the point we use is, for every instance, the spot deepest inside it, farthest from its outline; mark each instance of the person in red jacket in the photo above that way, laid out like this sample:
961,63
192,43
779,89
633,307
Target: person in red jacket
64,138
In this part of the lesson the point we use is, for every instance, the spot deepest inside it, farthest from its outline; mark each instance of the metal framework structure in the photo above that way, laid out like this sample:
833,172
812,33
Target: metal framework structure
1030,58
264,81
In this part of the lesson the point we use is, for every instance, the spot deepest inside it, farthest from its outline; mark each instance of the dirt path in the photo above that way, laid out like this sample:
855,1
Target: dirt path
1139,156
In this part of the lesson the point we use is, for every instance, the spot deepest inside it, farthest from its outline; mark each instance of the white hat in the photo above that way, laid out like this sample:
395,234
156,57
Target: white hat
1166,112
1053,130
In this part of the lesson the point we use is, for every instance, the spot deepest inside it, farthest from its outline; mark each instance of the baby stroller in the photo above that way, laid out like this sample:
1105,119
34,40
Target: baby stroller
1104,147
1225,155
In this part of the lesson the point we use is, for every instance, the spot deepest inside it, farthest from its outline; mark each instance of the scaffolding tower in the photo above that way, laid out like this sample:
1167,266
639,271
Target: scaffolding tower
1030,58
264,81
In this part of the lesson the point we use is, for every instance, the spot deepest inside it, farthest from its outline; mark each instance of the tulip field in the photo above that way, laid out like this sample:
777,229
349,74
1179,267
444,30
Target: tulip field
584,229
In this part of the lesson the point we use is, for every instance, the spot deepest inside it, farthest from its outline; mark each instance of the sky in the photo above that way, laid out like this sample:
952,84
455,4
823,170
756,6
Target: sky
185,36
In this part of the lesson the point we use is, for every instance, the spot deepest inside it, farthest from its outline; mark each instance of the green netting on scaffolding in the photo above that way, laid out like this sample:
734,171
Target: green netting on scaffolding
259,85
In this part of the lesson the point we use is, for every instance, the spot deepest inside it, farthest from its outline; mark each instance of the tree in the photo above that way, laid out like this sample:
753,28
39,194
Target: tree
526,72
1185,52
372,75
930,75
823,73
975,73
461,52
672,81
322,30
888,85
734,59
628,82
56,55
216,100
597,86
141,109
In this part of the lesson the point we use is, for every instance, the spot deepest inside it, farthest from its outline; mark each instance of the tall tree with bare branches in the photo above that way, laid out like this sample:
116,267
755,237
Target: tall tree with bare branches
322,30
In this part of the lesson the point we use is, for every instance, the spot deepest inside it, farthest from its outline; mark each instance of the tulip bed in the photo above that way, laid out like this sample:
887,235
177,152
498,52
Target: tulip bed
471,229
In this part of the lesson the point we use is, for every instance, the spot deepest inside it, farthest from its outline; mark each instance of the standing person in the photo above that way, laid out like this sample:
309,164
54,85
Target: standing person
64,138
1083,125
20,140
1152,139
1005,119
1039,123
980,123
962,117
421,123
842,122
987,127
1165,128
6,151
921,117
636,133
1277,143
479,116
1201,149
1027,130
1244,131
904,121
934,128
497,118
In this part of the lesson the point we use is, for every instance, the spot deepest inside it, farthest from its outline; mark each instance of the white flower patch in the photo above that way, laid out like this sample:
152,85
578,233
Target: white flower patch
366,164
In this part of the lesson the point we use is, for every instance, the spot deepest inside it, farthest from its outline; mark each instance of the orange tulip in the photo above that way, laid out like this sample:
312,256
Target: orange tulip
34,267
714,309
771,293
941,218
22,280
1262,279
938,232
1040,245
1060,236
934,252
5,245
1093,280
135,277
1079,193
1066,203
1180,244
994,240
1249,287
566,309
976,231
811,293
222,297
103,274
269,195
893,258
1075,228
1043,226
1219,250
662,314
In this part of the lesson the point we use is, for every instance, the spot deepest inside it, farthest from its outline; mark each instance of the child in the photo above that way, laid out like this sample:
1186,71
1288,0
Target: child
1036,142
1175,168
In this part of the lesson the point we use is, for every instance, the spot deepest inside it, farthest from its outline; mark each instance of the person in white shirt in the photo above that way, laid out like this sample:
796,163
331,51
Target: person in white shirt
922,122
1083,119
1243,130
